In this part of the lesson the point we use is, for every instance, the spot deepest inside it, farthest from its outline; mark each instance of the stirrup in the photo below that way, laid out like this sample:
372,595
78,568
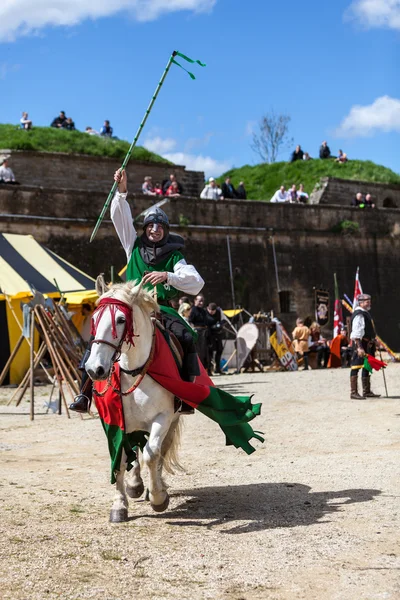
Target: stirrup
81,404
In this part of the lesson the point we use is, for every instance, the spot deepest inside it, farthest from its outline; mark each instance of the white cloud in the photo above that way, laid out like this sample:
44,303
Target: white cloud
194,162
6,68
159,145
21,17
382,115
376,13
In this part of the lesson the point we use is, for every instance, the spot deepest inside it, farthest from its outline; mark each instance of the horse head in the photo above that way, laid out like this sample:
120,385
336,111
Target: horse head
122,327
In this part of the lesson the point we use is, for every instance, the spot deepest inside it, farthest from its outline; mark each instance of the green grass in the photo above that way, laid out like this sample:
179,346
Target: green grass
262,181
49,139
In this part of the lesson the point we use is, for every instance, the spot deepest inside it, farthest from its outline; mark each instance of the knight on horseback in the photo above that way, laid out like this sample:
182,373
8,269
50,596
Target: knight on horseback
156,258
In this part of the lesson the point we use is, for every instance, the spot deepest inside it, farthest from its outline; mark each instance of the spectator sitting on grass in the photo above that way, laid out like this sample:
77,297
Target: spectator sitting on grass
341,157
297,154
228,191
173,190
69,124
168,182
324,151
241,191
106,130
147,186
302,196
6,174
292,194
59,121
211,191
90,131
306,156
280,195
25,122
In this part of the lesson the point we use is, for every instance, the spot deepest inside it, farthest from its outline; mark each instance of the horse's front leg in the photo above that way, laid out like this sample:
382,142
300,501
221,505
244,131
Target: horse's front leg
134,483
119,509
158,496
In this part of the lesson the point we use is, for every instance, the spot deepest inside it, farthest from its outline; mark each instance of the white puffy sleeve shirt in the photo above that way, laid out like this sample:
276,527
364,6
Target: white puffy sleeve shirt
185,278
358,327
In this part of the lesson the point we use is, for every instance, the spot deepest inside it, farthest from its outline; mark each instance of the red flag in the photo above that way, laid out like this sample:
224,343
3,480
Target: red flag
357,289
375,363
337,314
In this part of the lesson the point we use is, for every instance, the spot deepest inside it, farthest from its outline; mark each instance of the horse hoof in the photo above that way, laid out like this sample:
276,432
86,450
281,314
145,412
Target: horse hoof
161,507
118,515
135,492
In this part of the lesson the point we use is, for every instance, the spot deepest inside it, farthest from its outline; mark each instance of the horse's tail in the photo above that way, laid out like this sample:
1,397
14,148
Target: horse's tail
170,448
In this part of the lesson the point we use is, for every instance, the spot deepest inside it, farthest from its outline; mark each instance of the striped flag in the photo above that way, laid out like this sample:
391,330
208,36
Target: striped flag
357,289
337,314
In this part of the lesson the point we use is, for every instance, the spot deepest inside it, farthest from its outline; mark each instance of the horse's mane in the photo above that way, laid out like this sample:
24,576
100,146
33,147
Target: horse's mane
134,294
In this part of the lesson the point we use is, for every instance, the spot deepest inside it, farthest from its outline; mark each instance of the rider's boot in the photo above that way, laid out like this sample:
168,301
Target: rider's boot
83,400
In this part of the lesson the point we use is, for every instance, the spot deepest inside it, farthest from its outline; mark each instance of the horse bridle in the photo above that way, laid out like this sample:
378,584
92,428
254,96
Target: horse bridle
117,354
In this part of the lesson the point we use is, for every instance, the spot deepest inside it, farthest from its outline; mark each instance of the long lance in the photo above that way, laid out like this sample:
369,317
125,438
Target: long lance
135,139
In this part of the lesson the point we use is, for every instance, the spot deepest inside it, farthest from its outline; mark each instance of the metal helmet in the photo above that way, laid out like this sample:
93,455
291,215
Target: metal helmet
156,215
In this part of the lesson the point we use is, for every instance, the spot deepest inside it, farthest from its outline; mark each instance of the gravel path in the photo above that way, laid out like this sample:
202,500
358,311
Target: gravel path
313,514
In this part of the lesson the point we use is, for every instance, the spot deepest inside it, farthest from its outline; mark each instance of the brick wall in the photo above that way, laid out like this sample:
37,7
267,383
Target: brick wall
342,191
93,173
307,249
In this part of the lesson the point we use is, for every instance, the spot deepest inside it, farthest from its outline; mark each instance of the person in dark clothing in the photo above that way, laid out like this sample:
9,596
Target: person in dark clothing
198,320
297,154
358,200
228,191
168,182
363,343
214,321
324,151
59,121
345,349
69,124
106,130
241,193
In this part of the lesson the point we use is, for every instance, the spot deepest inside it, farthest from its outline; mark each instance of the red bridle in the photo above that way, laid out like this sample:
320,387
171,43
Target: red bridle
113,304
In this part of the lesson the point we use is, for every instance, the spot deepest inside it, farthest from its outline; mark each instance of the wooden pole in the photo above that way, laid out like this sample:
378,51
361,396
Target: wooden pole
32,367
23,386
11,358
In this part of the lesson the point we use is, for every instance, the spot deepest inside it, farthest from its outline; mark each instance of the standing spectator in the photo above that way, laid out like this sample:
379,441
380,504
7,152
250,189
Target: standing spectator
59,121
300,336
302,196
341,157
214,321
147,186
280,195
168,182
69,124
292,194
106,130
90,131
6,173
358,200
319,345
228,191
297,154
198,320
241,191
25,122
345,349
184,311
158,189
211,191
173,190
324,151
369,202
306,156
184,300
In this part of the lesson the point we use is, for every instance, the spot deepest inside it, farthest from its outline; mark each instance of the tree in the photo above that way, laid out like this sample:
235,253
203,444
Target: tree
272,136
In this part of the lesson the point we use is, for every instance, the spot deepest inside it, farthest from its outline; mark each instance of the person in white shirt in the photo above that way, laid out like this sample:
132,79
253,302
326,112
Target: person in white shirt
6,174
281,195
25,122
302,196
211,191
363,342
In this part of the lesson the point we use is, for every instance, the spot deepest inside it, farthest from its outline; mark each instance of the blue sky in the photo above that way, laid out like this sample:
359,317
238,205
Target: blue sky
331,66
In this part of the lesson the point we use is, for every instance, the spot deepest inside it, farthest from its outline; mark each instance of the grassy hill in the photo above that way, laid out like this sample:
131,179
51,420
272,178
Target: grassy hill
262,181
49,139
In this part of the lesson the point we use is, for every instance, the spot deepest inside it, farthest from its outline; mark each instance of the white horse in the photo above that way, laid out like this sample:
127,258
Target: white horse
148,408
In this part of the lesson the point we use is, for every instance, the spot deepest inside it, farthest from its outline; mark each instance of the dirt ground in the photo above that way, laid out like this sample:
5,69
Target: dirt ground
312,514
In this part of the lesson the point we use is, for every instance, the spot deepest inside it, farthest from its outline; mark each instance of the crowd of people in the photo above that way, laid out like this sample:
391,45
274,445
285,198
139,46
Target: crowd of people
291,196
64,122
212,190
324,152
309,340
170,187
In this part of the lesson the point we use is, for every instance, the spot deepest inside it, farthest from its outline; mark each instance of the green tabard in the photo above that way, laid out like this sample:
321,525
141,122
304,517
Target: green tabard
137,267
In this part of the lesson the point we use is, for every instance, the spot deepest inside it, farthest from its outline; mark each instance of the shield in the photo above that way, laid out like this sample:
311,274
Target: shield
247,337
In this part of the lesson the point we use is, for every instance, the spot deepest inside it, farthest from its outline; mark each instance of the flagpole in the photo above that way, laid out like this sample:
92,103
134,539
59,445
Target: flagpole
135,139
